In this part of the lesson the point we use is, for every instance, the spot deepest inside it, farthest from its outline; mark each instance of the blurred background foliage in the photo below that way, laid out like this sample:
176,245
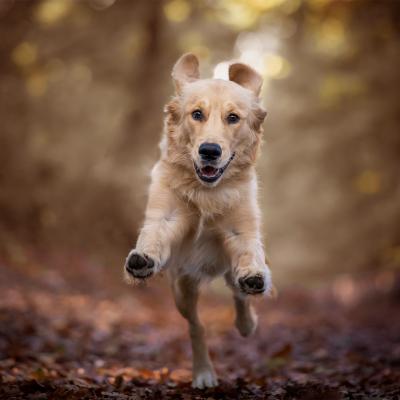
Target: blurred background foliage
82,89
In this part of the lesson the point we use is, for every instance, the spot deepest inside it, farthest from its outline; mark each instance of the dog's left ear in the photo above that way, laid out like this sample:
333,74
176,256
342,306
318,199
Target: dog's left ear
245,76
185,70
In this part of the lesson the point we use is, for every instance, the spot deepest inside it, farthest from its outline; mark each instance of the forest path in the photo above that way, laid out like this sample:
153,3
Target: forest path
83,336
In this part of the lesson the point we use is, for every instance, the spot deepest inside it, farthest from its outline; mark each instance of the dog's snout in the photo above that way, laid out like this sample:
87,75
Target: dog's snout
210,151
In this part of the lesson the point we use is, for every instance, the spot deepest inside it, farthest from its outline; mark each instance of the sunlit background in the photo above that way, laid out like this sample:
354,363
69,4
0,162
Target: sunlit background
82,88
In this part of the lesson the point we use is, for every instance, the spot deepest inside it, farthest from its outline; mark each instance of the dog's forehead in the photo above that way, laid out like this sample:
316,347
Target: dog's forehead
216,91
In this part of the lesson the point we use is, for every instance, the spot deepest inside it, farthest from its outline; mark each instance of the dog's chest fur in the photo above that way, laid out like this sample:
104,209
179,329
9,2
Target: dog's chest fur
201,254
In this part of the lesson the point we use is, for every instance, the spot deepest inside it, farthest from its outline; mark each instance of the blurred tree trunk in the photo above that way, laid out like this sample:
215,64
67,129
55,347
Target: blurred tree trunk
17,166
147,100
15,21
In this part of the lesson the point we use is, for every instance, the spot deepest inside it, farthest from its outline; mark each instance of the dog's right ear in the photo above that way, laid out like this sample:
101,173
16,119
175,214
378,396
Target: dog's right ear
185,70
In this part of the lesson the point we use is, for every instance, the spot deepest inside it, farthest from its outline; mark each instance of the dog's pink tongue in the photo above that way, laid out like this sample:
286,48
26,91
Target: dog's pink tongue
208,171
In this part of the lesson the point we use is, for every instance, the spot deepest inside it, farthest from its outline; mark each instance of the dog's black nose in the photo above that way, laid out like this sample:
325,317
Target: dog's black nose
210,151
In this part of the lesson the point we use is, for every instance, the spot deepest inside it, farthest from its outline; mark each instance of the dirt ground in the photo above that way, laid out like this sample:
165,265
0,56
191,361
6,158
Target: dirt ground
69,331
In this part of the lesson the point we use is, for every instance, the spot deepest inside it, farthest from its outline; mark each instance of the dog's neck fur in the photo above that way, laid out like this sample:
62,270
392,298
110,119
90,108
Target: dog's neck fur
213,200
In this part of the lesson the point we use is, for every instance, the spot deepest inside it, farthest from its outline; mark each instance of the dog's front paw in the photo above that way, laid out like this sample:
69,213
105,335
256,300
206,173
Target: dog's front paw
252,284
140,266
255,283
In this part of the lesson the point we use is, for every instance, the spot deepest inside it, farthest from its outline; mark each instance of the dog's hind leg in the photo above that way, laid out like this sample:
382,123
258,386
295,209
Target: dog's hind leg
246,318
186,295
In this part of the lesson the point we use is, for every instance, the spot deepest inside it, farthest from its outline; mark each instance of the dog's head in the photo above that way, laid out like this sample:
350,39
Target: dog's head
213,125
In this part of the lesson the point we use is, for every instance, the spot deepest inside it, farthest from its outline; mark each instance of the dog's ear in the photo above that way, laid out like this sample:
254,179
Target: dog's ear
185,70
245,76
257,117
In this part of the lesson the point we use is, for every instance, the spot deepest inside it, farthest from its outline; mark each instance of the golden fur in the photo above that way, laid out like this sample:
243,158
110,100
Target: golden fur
196,229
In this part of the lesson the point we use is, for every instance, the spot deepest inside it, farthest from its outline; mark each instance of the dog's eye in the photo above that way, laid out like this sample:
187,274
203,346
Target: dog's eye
233,118
197,115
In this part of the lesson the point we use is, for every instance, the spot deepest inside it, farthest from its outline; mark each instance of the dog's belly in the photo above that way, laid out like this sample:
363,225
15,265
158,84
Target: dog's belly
200,256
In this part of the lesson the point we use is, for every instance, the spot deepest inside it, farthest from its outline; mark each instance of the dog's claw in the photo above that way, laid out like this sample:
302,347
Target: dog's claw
252,284
205,379
139,266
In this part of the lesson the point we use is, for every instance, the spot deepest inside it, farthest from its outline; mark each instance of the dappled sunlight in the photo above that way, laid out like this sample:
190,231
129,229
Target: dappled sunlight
368,182
25,54
177,10
50,12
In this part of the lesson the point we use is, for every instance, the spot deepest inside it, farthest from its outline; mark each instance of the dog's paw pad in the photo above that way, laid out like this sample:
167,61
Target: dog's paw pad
253,284
204,379
139,265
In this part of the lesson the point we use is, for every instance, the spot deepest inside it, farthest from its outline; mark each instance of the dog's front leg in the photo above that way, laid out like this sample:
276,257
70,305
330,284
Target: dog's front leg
246,318
166,222
242,239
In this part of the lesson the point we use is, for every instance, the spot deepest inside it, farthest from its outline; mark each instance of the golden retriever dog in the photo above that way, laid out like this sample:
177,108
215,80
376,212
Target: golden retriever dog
202,218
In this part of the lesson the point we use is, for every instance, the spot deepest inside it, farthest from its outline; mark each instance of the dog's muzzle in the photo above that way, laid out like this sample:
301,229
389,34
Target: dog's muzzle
210,174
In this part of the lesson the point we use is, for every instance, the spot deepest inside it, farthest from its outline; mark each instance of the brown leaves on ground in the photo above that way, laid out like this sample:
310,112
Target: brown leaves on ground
72,337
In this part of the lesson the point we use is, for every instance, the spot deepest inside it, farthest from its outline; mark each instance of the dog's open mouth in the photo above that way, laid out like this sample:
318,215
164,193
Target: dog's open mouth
209,173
